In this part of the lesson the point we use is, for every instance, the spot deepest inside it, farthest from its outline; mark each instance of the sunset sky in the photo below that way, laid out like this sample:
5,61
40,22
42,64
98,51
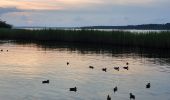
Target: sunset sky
83,12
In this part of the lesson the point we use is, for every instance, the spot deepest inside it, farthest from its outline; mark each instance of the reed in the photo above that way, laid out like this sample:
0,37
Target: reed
114,38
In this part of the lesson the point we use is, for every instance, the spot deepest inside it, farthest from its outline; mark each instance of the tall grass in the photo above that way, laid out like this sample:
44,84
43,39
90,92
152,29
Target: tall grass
114,38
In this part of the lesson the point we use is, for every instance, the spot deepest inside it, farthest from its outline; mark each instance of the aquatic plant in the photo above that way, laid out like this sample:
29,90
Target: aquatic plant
113,38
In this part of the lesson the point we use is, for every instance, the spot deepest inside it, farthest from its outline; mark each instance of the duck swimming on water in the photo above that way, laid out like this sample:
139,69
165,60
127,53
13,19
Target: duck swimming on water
73,89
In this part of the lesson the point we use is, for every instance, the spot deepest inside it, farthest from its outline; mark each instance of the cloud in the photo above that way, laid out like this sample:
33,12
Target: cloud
8,10
74,4
46,4
29,5
84,12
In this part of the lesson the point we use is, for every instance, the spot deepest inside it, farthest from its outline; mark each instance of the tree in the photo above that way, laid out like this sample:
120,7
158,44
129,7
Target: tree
3,24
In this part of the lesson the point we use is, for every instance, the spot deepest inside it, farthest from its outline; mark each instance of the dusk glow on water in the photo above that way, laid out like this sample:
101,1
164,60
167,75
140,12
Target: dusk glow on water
25,66
84,50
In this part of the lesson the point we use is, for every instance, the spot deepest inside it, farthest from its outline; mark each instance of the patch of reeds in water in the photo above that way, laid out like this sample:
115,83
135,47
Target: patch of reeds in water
113,38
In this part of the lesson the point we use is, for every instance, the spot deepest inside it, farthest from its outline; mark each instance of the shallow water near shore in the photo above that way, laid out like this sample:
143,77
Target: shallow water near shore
24,66
108,30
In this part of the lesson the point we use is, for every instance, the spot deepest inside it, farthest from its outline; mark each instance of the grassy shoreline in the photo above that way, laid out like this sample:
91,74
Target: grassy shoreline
114,38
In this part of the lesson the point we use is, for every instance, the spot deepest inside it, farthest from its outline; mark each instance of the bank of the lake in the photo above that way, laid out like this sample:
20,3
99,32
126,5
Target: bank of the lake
113,38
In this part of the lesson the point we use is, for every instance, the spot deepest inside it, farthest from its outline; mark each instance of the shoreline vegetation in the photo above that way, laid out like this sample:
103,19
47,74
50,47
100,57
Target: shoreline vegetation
137,27
159,40
131,27
3,24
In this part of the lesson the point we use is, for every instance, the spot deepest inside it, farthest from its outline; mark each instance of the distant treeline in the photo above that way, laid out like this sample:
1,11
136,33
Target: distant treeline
139,27
111,38
3,24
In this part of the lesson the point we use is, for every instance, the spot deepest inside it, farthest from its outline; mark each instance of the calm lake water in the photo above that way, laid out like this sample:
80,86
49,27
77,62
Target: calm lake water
25,66
125,30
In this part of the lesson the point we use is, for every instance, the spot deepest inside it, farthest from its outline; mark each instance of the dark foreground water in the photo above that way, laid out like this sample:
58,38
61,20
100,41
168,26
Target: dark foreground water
25,66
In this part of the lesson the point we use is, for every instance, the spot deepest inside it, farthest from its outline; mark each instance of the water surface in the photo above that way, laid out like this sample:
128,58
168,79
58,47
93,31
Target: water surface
25,66
109,30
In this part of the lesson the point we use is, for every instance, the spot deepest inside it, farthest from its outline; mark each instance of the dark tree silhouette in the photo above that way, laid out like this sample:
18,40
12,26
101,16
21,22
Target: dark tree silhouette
3,24
140,27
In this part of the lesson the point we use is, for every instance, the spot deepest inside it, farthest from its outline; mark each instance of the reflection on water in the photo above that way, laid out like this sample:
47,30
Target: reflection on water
25,65
125,30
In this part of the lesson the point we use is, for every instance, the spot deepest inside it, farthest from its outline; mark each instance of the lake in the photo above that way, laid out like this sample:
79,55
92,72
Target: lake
25,65
125,30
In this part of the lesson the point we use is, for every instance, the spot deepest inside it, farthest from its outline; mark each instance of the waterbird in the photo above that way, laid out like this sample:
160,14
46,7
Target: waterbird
91,67
46,82
127,68
148,85
104,69
115,89
127,63
132,96
68,63
73,89
1,49
116,68
6,50
108,97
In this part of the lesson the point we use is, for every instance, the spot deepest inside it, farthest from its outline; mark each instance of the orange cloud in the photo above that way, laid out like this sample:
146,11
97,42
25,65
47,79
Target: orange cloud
29,5
46,4
67,4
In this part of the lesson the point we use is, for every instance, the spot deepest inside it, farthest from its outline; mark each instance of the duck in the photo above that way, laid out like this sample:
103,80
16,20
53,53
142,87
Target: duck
108,97
127,63
73,89
132,96
127,68
116,68
148,85
104,69
115,89
91,67
46,82
68,63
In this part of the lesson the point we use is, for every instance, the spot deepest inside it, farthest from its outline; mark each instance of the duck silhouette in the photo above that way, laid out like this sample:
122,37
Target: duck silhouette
68,63
108,97
148,85
73,89
115,89
127,68
104,69
116,68
127,63
132,96
46,82
91,67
